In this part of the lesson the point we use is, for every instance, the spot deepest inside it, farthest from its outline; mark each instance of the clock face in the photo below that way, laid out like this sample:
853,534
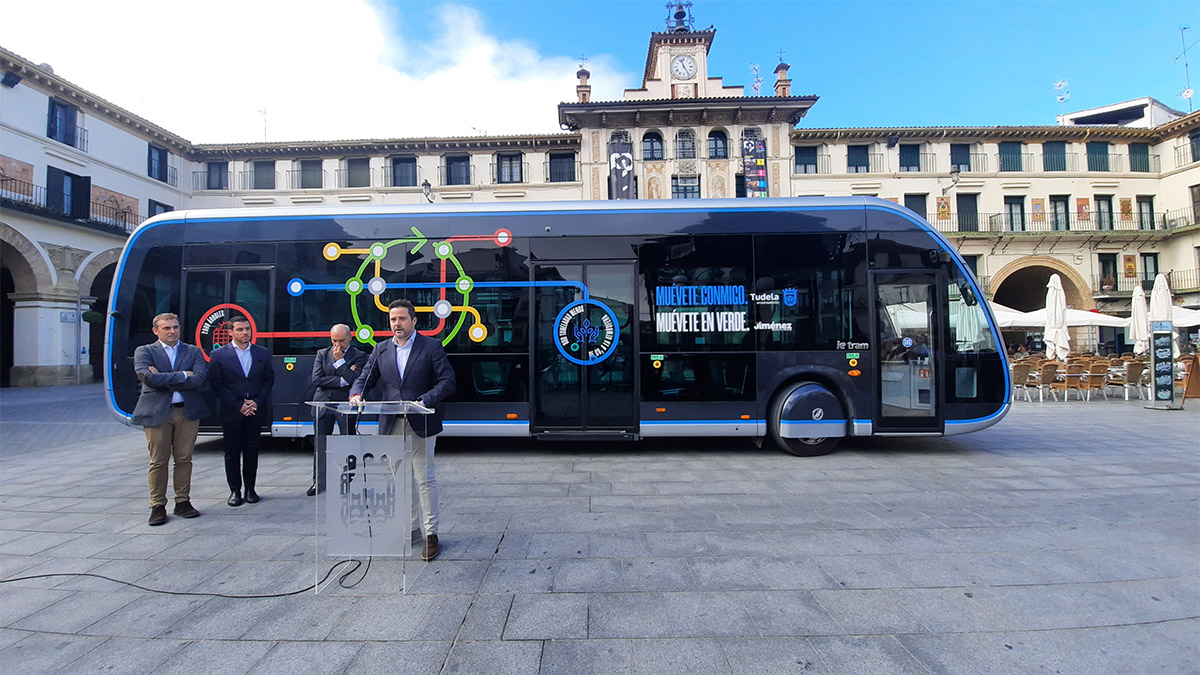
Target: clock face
683,67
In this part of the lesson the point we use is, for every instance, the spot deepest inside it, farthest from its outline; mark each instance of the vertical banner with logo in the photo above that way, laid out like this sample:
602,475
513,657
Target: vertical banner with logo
754,166
620,171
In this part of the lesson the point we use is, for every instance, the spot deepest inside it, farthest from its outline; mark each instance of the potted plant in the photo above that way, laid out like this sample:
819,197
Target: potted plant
1108,283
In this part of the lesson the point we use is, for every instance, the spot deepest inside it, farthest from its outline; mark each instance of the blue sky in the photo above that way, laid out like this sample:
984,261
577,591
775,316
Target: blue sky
401,68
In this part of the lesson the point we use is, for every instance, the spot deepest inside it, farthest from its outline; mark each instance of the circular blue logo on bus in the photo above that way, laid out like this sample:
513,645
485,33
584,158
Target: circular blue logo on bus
587,332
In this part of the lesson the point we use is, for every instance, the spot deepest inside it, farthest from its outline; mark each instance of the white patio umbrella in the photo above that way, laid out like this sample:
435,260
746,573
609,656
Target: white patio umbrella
1139,322
1161,306
1182,317
1007,317
1079,317
1058,342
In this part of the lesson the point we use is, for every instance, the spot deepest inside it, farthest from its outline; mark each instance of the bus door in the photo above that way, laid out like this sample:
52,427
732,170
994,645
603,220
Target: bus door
908,348
213,295
583,375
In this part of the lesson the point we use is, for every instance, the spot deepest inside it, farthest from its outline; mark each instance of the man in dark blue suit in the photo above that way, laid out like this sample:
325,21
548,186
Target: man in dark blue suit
241,375
412,367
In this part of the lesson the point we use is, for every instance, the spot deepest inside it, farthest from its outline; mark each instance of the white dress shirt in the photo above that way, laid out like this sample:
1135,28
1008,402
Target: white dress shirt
243,358
176,397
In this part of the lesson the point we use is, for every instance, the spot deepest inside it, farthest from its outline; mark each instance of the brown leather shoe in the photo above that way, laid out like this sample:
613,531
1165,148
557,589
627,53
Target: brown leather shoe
431,548
158,514
185,510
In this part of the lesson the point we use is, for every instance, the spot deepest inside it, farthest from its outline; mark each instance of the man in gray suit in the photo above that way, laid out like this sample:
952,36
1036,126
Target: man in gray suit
412,367
170,409
334,370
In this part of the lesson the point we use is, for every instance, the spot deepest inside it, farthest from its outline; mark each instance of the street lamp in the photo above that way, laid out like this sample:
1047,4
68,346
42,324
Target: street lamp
426,188
955,174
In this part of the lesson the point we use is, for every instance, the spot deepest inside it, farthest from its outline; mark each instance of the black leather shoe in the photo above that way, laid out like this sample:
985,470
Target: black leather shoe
312,491
158,514
235,499
186,510
251,496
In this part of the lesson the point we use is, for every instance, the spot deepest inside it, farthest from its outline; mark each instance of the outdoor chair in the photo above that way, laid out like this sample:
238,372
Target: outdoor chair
1097,379
1130,379
1045,380
1073,380
1020,380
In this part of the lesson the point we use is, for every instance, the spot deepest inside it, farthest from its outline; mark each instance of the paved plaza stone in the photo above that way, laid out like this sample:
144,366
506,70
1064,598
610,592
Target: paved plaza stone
1064,539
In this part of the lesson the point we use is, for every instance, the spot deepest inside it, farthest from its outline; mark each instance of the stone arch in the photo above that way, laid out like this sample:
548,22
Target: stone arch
1076,288
30,272
87,275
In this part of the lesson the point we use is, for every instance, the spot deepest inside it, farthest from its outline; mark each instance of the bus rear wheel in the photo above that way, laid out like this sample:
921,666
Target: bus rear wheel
800,447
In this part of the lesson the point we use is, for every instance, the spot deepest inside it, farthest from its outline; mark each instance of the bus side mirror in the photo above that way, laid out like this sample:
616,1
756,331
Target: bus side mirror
968,295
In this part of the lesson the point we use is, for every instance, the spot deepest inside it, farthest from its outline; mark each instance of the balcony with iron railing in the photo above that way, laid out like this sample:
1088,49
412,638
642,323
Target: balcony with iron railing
976,162
210,180
925,162
561,172
1184,281
402,176
166,174
509,173
1049,223
355,178
67,134
306,179
803,166
31,198
258,180
456,174
1184,155
1118,285
874,163
1015,161
1067,161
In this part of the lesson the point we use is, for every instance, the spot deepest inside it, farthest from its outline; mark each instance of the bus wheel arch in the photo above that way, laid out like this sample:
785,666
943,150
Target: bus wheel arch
805,403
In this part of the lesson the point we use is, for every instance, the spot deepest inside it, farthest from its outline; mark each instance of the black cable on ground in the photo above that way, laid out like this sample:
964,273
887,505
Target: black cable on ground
341,580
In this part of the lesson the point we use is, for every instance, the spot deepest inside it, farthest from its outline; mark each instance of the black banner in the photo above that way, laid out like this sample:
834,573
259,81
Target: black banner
1162,362
754,166
620,171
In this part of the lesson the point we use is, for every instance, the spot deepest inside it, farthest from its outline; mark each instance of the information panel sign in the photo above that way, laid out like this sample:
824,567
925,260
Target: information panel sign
1162,365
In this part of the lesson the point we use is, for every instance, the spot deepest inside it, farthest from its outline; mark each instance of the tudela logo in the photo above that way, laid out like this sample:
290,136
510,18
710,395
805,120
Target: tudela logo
587,332
213,330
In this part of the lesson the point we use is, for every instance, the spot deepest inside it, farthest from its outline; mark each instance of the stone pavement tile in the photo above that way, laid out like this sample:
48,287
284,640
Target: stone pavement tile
953,610
984,653
874,612
146,617
679,657
10,637
502,658
474,523
307,657
1069,605
304,618
545,616
257,547
658,574
122,570
866,571
928,571
478,547
141,546
672,615
416,658
867,655
182,575
485,618
69,566
85,545
519,576
620,545
120,655
207,547
513,546
36,542
731,574
786,614
584,576
588,657
20,603
382,619
12,566
772,655
115,524
215,656
1131,649
250,578
46,652
75,613
558,546
69,522
225,618
451,576
444,617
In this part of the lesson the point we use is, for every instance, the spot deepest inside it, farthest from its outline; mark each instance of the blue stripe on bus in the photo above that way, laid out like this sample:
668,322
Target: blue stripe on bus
657,422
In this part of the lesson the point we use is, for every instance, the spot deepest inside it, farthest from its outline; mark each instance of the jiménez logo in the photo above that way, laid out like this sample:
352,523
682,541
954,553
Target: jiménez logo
213,331
586,337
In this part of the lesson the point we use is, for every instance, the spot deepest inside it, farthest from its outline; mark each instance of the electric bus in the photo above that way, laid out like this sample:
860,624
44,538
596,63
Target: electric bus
802,321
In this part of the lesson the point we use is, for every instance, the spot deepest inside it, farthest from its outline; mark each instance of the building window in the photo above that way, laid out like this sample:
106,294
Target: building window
1060,213
458,170
960,156
1014,214
858,159
156,163
404,172
685,187
972,262
156,208
562,167
1194,144
806,160
1104,212
1097,156
508,168
917,204
312,176
1010,156
910,158
685,144
1054,156
1108,271
62,125
1139,157
968,212
217,176
1145,212
358,172
620,136
718,145
1149,269
264,174
652,146
68,193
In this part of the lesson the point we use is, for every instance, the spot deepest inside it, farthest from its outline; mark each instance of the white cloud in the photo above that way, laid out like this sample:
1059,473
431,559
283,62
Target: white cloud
322,71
